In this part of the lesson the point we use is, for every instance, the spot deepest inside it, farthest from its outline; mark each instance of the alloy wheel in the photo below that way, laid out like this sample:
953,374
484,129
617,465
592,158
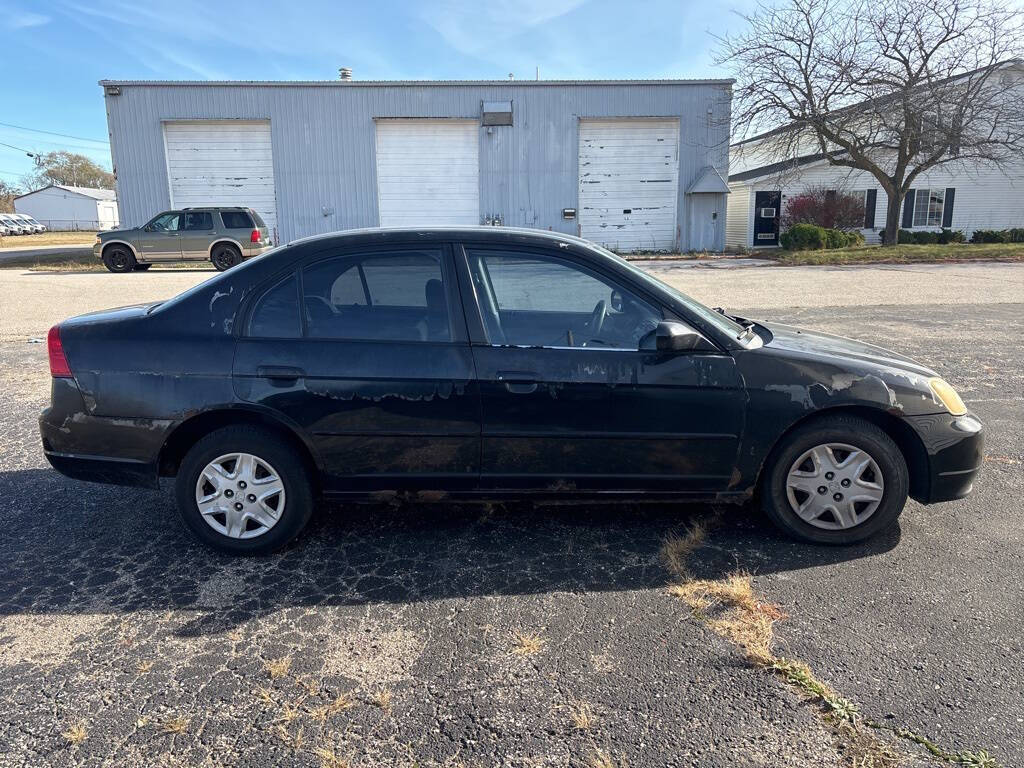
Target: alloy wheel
240,495
834,486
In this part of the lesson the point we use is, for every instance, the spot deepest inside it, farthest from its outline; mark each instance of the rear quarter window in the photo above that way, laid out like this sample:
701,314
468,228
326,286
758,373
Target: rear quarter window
276,313
236,220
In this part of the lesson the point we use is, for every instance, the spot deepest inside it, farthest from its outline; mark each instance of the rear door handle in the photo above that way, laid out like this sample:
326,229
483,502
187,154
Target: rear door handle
519,382
284,372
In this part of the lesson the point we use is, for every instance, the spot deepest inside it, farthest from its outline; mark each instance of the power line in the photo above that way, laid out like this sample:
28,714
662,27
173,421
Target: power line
11,146
54,133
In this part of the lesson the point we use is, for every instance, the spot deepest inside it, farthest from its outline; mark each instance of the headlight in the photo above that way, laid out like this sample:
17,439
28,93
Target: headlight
947,396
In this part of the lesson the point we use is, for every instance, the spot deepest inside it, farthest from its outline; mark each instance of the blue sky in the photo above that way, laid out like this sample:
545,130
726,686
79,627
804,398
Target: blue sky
53,53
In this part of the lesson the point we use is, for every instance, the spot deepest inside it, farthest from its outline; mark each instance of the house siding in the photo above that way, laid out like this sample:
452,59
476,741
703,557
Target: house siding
324,150
985,198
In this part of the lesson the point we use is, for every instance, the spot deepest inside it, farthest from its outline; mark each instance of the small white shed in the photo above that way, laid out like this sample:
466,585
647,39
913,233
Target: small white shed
62,207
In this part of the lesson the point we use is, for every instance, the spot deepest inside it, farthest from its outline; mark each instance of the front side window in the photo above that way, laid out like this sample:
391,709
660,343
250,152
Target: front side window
540,301
198,221
276,314
399,296
928,207
165,222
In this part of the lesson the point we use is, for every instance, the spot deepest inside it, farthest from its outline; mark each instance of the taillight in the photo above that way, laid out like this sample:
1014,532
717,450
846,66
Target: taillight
59,367
255,236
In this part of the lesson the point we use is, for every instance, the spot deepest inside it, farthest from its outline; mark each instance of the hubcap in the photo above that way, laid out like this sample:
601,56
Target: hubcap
240,495
834,486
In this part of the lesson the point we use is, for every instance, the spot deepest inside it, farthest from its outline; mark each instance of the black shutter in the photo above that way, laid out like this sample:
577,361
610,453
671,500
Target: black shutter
908,209
947,208
870,201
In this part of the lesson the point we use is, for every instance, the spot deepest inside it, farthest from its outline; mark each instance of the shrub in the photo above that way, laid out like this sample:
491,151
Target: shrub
926,238
803,237
1016,235
835,238
905,236
824,207
947,236
991,236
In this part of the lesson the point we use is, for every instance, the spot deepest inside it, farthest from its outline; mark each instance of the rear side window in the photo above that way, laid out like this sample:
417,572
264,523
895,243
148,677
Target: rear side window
198,220
276,314
399,296
236,220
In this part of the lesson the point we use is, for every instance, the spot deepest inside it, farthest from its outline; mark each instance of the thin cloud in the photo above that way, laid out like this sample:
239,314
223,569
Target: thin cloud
26,19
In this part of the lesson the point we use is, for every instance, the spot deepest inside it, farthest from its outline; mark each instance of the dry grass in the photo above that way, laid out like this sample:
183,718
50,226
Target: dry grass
527,644
601,759
340,703
144,666
75,735
174,724
676,549
582,716
295,742
905,254
278,667
48,238
329,758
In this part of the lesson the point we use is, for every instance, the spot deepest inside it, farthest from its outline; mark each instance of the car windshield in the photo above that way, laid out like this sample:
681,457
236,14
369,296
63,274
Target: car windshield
723,322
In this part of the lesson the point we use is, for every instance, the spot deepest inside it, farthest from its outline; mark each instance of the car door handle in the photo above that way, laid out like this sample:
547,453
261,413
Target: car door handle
285,372
519,382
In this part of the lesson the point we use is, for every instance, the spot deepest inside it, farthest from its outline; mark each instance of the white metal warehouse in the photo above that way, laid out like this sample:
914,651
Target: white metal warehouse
62,207
633,165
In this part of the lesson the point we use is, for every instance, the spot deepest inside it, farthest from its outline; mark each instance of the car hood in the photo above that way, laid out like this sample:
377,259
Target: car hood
788,337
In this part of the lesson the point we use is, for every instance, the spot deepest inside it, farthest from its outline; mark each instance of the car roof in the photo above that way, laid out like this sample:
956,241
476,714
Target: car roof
478,232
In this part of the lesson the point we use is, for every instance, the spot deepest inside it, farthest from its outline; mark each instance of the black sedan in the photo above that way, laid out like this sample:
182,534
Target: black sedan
483,362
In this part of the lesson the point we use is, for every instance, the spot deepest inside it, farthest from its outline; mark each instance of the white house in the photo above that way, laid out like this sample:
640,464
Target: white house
70,208
957,196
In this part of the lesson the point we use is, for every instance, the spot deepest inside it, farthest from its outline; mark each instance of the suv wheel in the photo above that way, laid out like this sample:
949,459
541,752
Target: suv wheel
837,480
225,257
117,258
243,490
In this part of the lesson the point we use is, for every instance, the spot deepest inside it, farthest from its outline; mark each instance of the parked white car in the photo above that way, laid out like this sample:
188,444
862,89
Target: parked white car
14,226
32,224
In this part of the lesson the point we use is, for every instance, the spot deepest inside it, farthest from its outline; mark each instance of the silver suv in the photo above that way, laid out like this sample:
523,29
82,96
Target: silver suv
224,236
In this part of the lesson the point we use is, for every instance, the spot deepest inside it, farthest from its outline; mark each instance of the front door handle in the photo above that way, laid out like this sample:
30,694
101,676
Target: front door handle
283,372
519,382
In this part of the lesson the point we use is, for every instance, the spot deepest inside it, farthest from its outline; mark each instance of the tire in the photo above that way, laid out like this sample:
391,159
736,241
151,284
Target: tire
119,259
142,267
215,529
848,521
224,257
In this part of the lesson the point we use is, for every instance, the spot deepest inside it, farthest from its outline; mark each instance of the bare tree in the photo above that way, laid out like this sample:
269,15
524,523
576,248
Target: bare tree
890,87
68,168
7,195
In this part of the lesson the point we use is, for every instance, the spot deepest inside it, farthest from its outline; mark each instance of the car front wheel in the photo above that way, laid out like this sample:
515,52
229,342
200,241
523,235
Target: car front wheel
243,490
117,258
837,480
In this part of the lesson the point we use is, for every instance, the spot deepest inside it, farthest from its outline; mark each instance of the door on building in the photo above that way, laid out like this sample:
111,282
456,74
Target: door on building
766,217
705,221
629,183
222,163
428,172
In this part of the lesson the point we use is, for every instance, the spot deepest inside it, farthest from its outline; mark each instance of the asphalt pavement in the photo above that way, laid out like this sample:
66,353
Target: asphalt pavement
441,634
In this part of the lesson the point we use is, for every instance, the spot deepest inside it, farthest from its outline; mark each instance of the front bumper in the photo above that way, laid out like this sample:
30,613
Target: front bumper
955,447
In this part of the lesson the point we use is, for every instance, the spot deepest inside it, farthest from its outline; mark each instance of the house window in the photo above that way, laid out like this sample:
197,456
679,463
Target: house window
928,207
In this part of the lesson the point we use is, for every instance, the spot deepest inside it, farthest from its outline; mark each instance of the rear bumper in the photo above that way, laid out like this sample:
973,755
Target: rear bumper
955,446
103,469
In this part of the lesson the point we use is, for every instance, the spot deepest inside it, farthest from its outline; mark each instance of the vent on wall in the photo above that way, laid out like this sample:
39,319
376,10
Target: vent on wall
497,113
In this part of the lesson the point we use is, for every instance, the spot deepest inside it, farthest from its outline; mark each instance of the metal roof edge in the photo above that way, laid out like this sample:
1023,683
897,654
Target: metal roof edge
402,83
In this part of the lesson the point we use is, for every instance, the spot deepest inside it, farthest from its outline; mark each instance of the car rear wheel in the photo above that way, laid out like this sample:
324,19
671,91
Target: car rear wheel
837,480
225,257
243,490
117,258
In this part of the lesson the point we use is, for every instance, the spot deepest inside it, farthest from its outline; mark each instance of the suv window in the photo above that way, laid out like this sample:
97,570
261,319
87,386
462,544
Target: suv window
198,220
276,314
541,301
236,220
165,222
399,296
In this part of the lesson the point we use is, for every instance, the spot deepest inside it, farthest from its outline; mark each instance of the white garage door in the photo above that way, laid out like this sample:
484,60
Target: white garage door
629,183
226,162
427,172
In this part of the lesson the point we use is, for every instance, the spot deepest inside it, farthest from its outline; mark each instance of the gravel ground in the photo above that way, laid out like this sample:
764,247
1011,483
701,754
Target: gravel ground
470,635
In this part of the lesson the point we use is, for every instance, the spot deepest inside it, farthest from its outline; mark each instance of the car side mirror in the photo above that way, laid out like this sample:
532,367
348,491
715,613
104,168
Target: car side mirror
671,336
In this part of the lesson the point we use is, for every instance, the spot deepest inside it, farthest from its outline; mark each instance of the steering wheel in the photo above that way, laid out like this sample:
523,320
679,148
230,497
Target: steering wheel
597,317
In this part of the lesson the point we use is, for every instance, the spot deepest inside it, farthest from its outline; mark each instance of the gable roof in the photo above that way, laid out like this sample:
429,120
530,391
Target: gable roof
773,168
95,194
708,180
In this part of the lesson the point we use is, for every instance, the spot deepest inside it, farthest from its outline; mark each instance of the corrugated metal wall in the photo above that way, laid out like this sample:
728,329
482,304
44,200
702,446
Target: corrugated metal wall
323,142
